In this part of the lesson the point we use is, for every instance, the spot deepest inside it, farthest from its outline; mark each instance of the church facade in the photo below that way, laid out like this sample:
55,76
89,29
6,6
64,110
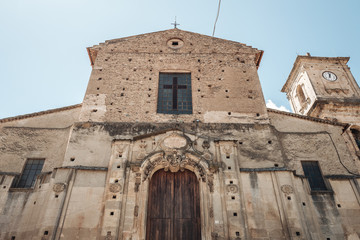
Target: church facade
173,140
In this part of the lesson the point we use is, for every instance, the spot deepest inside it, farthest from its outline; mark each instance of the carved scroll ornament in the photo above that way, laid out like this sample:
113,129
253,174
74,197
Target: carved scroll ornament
174,161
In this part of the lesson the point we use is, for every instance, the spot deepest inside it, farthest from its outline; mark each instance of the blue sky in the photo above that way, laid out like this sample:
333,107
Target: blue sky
44,63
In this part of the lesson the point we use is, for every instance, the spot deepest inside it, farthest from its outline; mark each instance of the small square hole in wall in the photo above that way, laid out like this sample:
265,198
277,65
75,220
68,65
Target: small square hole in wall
120,155
237,234
72,159
46,233
235,214
34,202
227,156
231,182
4,186
56,196
233,197
229,168
114,196
258,114
111,213
276,165
339,205
116,181
269,142
289,198
304,204
327,238
175,43
13,238
229,113
297,233
118,166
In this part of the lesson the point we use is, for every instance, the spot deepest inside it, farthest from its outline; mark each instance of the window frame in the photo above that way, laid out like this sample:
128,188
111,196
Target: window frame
327,186
17,179
185,96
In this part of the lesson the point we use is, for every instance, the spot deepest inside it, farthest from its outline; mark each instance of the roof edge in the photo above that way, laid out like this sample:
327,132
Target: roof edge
313,119
19,117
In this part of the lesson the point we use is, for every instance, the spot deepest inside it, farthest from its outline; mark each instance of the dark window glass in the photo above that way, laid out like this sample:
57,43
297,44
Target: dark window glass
174,93
313,173
28,177
356,135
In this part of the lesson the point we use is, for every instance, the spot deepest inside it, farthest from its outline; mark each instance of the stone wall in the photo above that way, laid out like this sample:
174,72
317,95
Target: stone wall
123,85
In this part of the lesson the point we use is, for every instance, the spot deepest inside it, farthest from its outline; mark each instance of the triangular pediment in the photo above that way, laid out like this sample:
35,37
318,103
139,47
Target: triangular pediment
185,42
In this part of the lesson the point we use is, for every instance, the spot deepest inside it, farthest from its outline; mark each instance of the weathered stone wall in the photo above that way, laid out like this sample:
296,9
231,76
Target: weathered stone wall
346,112
124,82
253,187
18,144
56,118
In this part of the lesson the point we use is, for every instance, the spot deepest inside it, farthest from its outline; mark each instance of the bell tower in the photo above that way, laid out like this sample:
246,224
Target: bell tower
323,87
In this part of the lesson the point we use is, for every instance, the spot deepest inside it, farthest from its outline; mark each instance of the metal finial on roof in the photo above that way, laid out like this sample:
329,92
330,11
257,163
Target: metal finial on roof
175,24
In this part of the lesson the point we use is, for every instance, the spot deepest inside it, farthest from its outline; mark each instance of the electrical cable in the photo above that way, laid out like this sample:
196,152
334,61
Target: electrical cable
217,16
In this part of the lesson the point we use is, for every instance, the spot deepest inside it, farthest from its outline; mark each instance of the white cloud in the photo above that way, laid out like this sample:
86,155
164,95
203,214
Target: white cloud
272,105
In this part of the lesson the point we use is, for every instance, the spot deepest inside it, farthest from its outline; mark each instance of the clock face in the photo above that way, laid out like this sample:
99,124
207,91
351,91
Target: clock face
329,76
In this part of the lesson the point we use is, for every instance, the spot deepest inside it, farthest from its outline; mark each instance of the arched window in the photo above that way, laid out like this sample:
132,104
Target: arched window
300,94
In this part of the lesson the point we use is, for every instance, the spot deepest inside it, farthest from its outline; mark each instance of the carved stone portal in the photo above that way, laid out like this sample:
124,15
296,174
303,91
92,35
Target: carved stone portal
174,161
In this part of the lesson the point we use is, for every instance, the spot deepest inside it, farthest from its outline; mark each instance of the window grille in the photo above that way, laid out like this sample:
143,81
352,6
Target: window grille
174,93
31,170
313,173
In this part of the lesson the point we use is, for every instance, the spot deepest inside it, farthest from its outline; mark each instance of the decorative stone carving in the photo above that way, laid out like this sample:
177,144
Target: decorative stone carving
115,187
206,145
210,180
142,154
204,152
287,189
136,211
59,187
227,149
232,188
137,182
174,161
108,236
174,142
119,149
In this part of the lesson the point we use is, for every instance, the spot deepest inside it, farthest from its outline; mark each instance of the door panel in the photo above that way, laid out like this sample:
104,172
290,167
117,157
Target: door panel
173,207
160,229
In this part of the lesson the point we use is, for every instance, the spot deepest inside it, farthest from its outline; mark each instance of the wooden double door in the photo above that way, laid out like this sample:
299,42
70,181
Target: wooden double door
173,207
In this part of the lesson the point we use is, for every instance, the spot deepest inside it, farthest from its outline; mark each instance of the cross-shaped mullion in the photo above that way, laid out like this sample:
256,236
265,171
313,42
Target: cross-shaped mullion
175,88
